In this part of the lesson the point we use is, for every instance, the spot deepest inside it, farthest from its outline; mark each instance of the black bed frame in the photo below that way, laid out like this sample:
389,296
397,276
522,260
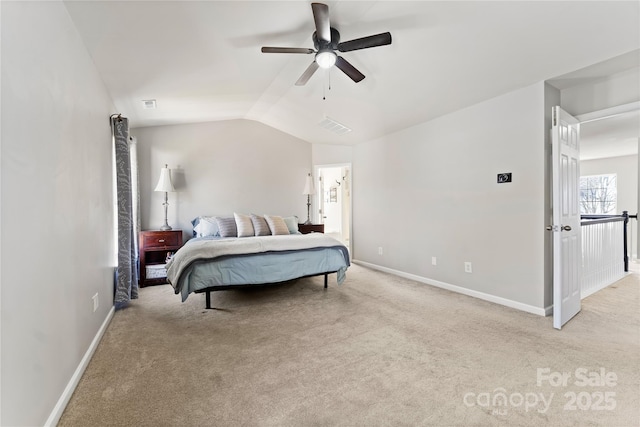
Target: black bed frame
229,287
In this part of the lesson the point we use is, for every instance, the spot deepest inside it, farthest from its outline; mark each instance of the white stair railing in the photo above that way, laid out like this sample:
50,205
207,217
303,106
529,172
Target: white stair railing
603,253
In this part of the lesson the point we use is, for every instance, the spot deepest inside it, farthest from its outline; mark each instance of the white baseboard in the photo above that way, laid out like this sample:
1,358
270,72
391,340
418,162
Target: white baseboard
548,311
458,289
55,415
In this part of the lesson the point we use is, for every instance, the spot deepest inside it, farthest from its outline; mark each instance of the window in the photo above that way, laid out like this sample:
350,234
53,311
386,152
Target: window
598,194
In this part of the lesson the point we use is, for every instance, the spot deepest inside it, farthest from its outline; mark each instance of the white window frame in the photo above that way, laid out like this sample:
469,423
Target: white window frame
601,196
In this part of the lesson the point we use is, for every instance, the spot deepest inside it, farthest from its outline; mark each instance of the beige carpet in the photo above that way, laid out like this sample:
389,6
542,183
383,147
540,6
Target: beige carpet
378,350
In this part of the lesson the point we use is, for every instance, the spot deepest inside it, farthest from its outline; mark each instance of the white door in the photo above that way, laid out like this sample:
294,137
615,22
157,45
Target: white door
334,200
567,248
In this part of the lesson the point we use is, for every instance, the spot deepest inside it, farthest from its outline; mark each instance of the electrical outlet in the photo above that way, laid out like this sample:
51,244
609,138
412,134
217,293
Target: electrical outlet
379,250
96,303
467,267
434,261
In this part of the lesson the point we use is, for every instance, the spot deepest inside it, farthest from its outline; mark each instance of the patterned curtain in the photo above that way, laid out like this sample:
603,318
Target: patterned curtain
127,271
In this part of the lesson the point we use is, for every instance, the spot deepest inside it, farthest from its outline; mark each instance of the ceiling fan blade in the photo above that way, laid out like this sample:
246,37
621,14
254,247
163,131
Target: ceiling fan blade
365,42
286,50
349,69
304,78
321,18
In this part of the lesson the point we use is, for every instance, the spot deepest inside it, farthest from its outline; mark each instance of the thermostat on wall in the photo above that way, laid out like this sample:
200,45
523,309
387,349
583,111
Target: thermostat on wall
504,177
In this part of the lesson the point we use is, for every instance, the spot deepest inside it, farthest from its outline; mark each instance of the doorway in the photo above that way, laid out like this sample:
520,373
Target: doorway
610,141
334,201
609,137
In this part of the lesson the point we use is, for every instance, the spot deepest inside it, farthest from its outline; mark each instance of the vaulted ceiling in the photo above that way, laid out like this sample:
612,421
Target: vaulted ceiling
201,60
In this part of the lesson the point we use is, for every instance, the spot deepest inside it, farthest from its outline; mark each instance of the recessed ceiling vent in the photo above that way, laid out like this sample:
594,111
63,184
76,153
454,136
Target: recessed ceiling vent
331,125
149,104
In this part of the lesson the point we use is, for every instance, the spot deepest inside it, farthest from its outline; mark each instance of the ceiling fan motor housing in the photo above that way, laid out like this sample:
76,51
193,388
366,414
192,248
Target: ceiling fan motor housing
323,45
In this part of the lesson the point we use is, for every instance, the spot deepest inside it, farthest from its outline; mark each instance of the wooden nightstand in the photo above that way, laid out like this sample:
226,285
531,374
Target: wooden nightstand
311,228
154,246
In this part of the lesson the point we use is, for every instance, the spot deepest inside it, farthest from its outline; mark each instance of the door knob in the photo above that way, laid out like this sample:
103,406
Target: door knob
566,227
549,227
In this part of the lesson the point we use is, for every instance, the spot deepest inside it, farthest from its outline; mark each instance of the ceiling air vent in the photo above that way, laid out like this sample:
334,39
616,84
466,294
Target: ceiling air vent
149,104
333,126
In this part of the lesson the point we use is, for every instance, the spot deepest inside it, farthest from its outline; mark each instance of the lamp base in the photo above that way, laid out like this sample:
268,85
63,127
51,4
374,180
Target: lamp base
165,227
308,221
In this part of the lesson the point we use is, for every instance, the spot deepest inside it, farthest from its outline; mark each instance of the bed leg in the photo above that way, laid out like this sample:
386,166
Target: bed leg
326,277
208,298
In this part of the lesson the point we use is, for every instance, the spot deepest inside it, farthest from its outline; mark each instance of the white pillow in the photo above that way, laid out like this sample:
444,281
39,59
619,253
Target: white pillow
244,225
207,226
276,225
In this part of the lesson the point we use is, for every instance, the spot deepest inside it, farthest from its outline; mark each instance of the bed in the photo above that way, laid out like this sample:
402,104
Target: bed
211,263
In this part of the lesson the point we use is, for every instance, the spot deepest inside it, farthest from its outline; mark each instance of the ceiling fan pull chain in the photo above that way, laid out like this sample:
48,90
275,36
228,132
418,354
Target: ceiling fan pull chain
324,87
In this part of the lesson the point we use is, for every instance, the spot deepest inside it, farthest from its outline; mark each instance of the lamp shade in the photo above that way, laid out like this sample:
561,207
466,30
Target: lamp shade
326,58
164,183
308,186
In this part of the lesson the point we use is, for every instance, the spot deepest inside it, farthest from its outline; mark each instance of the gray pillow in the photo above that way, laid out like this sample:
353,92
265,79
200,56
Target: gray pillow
227,226
260,225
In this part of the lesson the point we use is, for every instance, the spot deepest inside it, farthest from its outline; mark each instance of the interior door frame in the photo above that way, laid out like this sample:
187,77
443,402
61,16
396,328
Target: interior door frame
316,217
613,112
585,118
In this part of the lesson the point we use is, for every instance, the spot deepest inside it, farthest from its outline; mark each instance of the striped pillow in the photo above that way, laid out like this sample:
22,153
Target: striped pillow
260,225
244,225
227,226
276,225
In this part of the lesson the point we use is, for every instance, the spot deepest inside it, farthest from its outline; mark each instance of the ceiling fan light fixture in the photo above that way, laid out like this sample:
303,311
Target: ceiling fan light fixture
326,59
326,41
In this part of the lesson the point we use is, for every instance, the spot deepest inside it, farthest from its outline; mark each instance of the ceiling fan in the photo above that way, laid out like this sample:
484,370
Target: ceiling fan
326,40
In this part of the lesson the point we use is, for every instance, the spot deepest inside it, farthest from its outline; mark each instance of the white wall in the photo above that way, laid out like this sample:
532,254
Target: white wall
57,208
326,154
618,89
220,168
431,190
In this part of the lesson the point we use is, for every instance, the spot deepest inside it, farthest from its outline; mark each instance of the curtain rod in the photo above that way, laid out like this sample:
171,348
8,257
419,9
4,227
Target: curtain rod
118,117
